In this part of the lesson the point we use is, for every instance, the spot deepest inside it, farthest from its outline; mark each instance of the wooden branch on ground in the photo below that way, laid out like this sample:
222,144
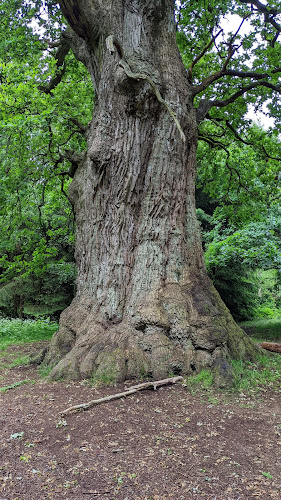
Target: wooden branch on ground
271,346
131,390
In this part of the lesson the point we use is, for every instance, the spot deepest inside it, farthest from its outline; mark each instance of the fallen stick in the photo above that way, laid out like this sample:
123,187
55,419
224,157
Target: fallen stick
271,346
128,392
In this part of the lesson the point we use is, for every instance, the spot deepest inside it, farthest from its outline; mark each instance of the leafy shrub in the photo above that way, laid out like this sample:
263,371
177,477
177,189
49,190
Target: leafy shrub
266,312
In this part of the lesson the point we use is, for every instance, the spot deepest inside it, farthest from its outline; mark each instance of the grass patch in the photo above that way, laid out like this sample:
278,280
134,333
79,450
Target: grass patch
16,331
265,373
107,377
20,361
13,386
263,329
202,381
44,371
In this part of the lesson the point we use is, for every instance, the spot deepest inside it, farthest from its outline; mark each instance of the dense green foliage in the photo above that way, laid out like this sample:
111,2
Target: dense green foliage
238,199
237,261
37,269
46,103
238,38
37,129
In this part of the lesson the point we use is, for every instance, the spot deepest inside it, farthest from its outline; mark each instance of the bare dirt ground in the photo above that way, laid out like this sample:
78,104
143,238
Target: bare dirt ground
154,445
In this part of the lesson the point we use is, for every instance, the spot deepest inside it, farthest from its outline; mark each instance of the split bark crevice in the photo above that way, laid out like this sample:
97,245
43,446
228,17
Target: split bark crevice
144,304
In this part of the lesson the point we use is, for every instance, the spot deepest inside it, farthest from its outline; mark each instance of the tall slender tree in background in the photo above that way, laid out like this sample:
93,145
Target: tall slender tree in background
144,303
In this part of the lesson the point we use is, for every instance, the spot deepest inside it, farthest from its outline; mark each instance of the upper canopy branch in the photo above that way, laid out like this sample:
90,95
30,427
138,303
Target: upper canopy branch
206,48
206,105
232,72
261,7
269,15
219,74
251,74
216,76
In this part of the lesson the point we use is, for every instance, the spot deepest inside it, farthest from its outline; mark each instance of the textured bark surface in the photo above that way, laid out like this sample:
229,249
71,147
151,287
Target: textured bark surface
144,303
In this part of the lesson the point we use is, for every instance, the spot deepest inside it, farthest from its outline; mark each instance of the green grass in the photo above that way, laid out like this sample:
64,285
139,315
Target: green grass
263,329
44,371
16,331
20,361
262,375
201,381
16,384
265,373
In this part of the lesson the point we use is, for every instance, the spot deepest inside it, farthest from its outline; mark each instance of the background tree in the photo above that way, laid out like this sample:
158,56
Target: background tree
144,302
238,195
39,129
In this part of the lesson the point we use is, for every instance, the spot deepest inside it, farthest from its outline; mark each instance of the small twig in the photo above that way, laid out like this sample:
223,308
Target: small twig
128,392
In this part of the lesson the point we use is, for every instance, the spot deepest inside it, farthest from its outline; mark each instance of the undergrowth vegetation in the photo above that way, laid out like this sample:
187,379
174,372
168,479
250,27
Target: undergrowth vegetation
263,329
264,373
16,331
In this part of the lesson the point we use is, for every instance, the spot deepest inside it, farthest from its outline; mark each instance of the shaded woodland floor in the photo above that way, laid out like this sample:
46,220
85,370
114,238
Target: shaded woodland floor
154,445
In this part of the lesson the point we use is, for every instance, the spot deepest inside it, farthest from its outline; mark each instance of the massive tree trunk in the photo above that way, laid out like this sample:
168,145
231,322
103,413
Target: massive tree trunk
144,303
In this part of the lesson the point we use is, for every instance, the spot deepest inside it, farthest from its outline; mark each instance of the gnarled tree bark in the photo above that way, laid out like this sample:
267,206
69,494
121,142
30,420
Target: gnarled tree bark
144,304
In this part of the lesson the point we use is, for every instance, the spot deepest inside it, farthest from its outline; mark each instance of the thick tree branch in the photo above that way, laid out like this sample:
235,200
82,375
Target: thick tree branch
206,48
82,53
206,105
72,13
235,133
241,74
75,160
269,15
225,102
261,7
215,76
207,82
212,143
270,157
251,74
81,128
61,53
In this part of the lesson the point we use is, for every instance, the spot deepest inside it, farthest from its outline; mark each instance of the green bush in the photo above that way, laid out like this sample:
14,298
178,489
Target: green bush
266,312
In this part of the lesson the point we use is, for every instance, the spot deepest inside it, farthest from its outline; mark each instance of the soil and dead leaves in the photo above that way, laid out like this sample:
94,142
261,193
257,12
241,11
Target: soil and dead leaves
154,445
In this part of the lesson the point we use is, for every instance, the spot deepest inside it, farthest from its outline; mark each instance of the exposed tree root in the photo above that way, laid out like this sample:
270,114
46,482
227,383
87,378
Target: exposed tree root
128,392
180,333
